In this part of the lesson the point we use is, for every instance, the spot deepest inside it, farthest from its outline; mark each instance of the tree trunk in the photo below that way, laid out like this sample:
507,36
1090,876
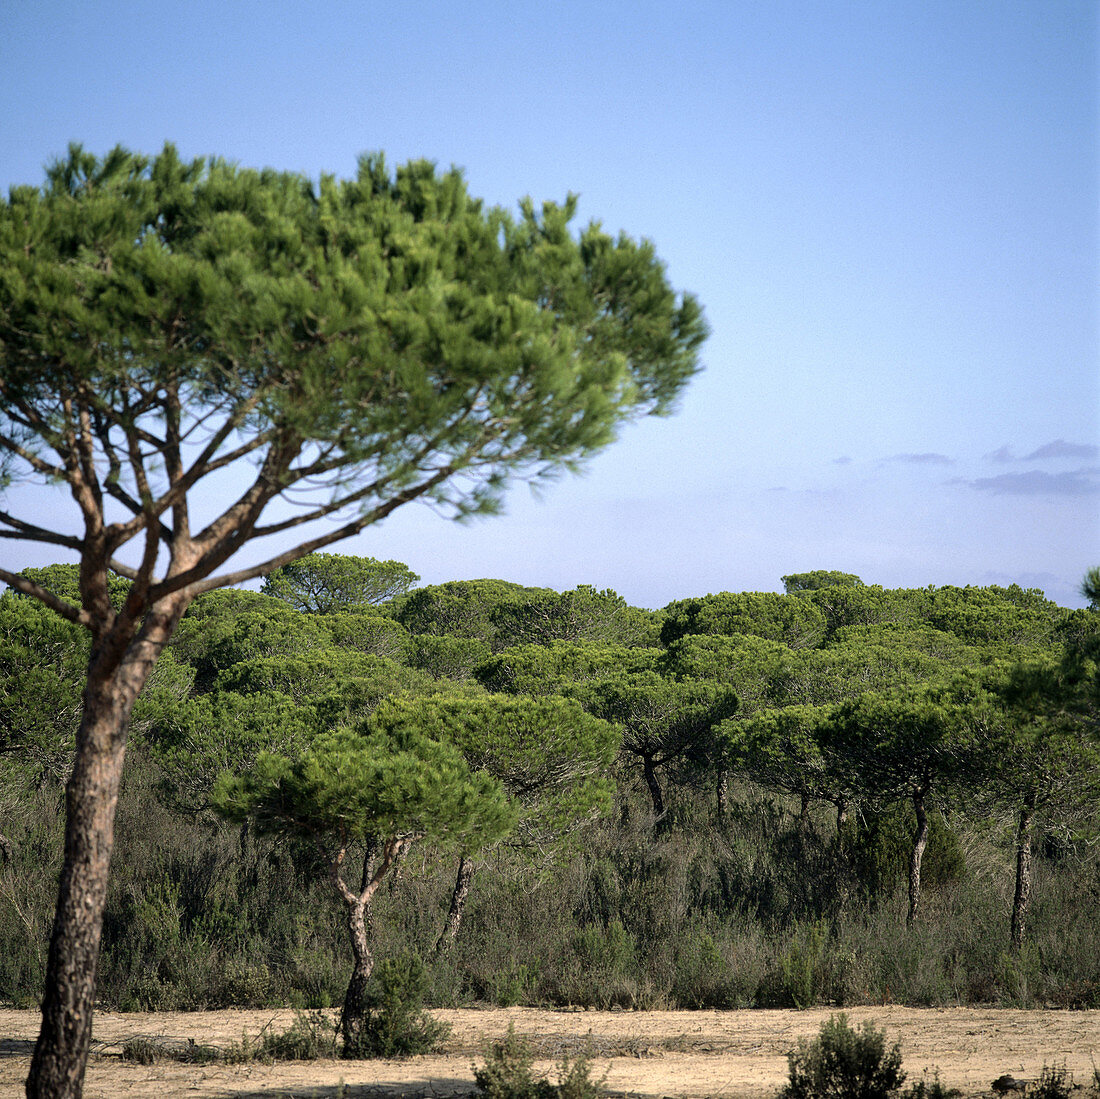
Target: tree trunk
458,905
355,999
722,806
649,770
804,812
920,841
1023,875
118,666
371,849
60,1055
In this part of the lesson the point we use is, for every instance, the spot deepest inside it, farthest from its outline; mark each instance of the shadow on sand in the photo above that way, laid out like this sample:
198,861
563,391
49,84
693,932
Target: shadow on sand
409,1089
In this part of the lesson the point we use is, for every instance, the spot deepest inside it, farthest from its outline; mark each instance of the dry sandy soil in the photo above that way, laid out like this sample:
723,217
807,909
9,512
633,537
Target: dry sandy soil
654,1053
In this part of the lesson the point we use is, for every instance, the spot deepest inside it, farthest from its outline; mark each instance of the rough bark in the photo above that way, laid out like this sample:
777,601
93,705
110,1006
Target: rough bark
458,905
722,805
1022,897
649,770
369,853
920,841
114,682
355,999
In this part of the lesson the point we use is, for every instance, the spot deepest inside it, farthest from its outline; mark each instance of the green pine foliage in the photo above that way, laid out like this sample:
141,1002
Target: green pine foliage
789,890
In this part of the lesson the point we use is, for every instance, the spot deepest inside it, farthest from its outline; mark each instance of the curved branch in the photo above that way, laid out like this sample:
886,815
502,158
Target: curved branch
44,595
28,532
47,469
347,531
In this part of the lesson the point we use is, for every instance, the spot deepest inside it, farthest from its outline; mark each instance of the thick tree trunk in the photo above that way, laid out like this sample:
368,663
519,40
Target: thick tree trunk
118,667
1022,898
458,905
60,1055
920,841
355,999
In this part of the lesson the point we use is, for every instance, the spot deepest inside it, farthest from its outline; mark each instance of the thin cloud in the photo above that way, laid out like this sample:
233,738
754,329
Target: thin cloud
1003,455
1061,449
1037,482
922,459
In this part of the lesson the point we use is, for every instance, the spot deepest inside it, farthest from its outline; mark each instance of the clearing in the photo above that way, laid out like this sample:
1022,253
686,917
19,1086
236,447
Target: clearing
651,1053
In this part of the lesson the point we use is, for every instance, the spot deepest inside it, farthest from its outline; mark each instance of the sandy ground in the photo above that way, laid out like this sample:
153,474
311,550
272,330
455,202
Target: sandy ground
654,1053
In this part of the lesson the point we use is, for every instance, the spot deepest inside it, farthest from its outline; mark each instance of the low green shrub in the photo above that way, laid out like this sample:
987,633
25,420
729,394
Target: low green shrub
931,1089
310,1037
395,1023
509,1073
842,1063
509,1070
1055,1082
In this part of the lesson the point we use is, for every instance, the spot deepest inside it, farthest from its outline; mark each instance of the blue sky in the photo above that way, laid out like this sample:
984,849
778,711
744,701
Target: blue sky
889,211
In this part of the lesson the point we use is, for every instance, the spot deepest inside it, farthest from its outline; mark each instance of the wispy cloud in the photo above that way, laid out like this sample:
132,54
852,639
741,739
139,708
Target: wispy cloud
1061,449
922,459
1057,450
1037,482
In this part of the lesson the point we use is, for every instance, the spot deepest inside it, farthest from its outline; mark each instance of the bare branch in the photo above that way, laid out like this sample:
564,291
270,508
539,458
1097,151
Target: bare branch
393,849
28,532
44,595
347,531
37,464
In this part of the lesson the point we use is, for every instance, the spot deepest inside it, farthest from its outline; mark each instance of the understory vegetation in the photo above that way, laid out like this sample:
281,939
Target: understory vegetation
758,873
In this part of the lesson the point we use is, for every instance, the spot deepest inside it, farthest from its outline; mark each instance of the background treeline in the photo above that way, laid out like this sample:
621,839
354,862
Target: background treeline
837,794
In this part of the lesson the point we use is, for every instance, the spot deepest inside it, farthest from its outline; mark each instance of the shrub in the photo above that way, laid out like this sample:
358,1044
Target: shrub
310,1037
1054,1082
931,1089
879,850
802,966
509,1073
842,1063
395,1024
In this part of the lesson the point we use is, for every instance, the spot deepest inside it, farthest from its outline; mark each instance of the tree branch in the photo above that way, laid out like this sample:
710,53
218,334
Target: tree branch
44,595
28,532
47,469
346,531
393,849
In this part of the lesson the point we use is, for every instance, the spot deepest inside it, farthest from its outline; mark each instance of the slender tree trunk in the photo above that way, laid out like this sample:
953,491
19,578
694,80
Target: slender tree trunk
920,841
355,999
841,814
458,905
723,794
1022,898
804,812
371,849
61,1053
354,1011
649,770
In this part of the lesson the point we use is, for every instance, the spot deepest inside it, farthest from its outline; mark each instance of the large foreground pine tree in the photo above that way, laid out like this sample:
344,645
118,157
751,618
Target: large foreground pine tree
341,346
